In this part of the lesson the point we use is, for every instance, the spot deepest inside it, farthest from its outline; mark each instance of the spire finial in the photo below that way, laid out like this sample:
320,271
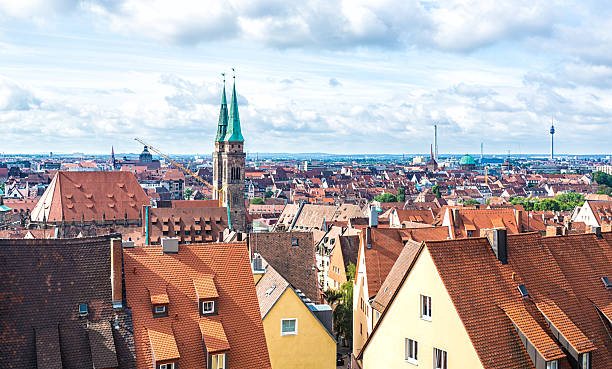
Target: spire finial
234,72
223,74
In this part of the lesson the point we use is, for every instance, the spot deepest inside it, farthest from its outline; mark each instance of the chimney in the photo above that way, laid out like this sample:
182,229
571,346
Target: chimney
116,273
553,230
368,237
498,240
596,230
373,219
518,214
170,245
455,214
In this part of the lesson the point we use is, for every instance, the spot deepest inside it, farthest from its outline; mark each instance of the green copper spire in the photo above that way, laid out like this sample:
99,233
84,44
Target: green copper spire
233,129
222,128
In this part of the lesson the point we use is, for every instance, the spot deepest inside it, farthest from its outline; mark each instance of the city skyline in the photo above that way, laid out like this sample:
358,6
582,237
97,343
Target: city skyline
373,79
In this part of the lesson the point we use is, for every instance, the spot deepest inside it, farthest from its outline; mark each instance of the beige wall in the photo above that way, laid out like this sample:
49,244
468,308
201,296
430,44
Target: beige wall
360,291
311,348
402,320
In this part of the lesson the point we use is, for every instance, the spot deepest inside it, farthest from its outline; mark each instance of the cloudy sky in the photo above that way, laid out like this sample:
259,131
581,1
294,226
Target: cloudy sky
333,76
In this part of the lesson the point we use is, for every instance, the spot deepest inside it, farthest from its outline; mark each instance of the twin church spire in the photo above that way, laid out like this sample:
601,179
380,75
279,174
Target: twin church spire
229,121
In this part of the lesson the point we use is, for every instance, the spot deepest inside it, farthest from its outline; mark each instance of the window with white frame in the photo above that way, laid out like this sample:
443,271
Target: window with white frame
425,307
166,366
552,364
440,359
160,309
586,361
218,361
411,350
208,307
288,326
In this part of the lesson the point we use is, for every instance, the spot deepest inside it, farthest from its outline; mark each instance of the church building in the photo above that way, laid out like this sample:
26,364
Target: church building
229,162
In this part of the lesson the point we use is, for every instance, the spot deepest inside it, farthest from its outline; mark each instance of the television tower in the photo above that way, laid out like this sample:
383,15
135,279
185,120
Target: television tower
552,139
436,142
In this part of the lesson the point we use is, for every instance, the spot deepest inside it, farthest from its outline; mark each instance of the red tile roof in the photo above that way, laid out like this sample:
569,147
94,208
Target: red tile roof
76,196
237,303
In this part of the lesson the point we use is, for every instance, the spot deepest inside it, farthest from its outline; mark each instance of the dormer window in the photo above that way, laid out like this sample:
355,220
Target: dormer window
166,366
218,361
207,307
83,311
160,309
552,364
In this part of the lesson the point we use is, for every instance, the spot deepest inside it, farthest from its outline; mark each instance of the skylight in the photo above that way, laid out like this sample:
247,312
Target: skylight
269,291
606,282
523,290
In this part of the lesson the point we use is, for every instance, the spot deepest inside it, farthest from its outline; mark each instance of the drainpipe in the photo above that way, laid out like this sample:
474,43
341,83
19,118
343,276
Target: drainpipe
147,225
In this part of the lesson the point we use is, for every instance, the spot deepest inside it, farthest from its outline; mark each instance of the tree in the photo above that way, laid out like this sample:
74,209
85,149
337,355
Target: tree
471,202
188,193
386,197
257,201
547,205
604,190
602,179
436,191
401,194
569,201
343,313
268,194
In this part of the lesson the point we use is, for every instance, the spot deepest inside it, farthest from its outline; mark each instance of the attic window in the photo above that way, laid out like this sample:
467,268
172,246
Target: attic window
294,241
83,310
159,309
208,307
523,290
166,366
606,282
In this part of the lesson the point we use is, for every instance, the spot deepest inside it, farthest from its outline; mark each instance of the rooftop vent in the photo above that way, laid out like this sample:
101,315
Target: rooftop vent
606,282
523,290
170,245
83,310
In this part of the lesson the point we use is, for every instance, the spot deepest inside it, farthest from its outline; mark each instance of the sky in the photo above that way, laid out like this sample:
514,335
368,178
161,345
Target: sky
332,76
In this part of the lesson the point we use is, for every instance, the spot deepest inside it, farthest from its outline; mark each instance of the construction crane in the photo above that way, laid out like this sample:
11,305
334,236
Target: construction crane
220,191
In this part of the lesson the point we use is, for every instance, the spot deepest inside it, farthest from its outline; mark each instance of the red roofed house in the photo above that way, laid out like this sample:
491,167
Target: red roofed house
91,196
195,306
499,302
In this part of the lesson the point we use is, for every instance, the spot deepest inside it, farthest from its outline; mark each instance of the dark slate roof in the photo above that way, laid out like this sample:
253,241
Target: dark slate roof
294,263
43,281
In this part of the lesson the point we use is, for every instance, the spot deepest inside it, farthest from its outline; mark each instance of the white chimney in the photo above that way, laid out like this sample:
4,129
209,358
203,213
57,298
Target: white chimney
373,219
170,245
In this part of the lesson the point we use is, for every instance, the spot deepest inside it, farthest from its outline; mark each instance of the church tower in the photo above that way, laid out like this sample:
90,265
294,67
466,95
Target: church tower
220,145
229,161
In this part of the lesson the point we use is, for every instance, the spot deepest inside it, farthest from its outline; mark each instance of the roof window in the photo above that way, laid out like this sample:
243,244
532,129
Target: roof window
83,311
606,282
294,241
523,290
270,290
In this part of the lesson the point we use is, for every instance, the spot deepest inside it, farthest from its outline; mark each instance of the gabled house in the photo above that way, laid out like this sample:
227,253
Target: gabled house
499,301
298,331
191,305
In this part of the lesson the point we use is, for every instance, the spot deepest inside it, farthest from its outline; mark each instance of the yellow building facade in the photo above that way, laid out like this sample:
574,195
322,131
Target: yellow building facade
310,347
403,320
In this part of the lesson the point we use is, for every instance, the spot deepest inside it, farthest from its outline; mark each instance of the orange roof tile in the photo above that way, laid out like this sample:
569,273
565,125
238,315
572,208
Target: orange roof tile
158,294
213,335
237,302
162,342
205,287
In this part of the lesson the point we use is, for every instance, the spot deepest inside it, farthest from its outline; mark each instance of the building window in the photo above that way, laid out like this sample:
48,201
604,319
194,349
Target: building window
552,364
166,366
440,359
425,307
288,326
586,361
208,307
294,241
412,348
160,309
218,361
83,310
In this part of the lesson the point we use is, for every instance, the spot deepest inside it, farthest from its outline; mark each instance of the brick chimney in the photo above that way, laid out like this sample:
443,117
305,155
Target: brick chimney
455,217
117,272
518,215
